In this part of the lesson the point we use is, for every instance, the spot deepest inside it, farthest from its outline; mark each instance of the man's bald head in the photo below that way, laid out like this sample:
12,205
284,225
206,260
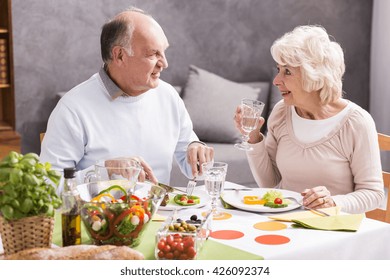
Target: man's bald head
119,31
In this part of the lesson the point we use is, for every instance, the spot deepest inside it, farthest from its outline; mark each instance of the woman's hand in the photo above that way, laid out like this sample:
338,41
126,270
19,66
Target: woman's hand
317,197
255,136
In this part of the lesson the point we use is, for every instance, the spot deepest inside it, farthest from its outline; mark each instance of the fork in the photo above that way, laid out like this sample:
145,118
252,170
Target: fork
236,189
322,213
191,185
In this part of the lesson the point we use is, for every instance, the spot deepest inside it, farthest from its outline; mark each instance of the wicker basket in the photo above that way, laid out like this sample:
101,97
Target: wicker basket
26,233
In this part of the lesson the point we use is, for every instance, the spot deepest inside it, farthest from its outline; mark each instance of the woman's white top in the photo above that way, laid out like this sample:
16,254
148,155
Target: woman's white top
309,131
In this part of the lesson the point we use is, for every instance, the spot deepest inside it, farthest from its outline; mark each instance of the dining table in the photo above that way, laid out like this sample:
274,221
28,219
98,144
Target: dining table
249,235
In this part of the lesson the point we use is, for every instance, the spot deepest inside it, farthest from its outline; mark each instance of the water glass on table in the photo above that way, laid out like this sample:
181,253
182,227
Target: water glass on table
214,179
250,114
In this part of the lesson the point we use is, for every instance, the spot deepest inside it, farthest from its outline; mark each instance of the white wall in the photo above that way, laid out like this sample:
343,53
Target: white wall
380,70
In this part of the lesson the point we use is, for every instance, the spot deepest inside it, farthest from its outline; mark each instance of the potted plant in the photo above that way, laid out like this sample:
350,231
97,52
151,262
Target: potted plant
28,201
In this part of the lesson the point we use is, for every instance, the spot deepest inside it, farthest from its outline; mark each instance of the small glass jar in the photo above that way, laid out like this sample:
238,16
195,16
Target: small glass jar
182,237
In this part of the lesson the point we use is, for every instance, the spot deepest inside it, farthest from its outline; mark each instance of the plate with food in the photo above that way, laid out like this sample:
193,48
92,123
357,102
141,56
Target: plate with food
199,198
263,200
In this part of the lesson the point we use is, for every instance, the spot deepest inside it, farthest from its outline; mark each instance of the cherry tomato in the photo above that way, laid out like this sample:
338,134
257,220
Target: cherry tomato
188,242
169,256
177,239
161,245
180,247
183,257
170,239
190,201
176,254
183,198
161,254
173,245
191,252
278,200
167,248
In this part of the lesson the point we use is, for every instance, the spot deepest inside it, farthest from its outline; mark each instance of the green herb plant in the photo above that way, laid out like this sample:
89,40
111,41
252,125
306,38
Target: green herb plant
27,187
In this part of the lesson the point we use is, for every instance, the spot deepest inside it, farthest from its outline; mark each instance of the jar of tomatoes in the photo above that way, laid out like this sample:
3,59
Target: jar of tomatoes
181,238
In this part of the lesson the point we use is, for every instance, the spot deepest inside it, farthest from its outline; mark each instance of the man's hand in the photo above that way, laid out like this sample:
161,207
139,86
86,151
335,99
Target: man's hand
198,153
122,163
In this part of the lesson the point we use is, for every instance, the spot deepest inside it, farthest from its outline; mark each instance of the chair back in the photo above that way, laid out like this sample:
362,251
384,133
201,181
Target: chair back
381,214
41,135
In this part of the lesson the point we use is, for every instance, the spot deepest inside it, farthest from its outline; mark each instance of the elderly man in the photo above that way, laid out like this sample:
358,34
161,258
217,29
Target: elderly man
125,110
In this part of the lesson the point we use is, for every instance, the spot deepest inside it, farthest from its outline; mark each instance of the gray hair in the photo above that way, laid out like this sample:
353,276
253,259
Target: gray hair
321,60
118,32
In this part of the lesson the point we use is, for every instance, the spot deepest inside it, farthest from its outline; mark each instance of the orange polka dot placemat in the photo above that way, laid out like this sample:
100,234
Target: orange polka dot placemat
272,239
250,232
270,226
223,216
226,234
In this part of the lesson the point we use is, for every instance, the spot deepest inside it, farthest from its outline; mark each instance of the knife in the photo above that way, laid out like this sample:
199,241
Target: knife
166,187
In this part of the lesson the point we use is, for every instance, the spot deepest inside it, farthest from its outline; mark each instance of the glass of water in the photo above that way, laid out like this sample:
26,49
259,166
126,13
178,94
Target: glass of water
214,178
250,114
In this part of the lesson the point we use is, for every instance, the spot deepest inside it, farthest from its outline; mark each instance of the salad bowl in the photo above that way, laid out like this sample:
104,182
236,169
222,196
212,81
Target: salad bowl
115,215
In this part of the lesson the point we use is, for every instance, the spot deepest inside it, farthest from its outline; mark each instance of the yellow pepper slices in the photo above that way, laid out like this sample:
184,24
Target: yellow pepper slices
253,199
138,210
98,197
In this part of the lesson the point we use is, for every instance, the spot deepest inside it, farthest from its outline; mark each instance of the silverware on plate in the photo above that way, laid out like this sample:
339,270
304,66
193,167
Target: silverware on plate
236,189
190,186
166,187
319,212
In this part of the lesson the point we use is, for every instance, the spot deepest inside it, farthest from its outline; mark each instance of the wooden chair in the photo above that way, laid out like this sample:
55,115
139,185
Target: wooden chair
380,214
41,135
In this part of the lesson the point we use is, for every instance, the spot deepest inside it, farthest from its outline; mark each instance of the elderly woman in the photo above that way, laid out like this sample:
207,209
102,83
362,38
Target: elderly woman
318,143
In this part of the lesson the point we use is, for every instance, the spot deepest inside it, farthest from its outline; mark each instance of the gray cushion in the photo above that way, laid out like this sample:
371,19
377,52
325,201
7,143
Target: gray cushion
274,97
263,95
178,89
211,102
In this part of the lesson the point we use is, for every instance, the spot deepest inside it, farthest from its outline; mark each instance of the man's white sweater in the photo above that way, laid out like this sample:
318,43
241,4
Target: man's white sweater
89,123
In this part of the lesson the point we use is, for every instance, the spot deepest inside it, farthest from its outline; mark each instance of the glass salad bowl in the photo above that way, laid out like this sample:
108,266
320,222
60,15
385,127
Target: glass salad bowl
115,214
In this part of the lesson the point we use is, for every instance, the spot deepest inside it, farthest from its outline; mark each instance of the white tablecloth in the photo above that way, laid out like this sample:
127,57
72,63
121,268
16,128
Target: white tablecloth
371,241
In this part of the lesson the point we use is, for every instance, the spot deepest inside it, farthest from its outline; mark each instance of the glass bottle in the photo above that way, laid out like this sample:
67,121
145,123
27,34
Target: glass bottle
70,211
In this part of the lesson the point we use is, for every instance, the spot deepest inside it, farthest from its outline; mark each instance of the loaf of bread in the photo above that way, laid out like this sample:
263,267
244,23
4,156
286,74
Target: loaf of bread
79,252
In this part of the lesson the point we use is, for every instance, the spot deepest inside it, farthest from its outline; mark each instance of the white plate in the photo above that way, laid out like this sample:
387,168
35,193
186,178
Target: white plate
204,200
235,198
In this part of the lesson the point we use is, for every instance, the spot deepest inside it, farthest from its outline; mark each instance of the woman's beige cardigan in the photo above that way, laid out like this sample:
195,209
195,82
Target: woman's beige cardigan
347,161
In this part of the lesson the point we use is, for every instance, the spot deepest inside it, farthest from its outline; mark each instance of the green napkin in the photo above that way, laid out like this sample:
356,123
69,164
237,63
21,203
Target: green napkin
338,223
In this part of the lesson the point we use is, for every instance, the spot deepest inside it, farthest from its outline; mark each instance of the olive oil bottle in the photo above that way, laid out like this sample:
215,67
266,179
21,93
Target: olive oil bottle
70,216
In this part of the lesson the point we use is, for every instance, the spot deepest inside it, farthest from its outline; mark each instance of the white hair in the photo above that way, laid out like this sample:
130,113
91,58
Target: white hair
321,60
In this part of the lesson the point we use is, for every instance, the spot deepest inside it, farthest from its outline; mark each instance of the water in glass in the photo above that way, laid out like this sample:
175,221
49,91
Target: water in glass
250,114
215,173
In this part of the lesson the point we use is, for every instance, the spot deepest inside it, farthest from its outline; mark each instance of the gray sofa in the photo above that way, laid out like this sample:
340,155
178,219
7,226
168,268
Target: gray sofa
211,101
